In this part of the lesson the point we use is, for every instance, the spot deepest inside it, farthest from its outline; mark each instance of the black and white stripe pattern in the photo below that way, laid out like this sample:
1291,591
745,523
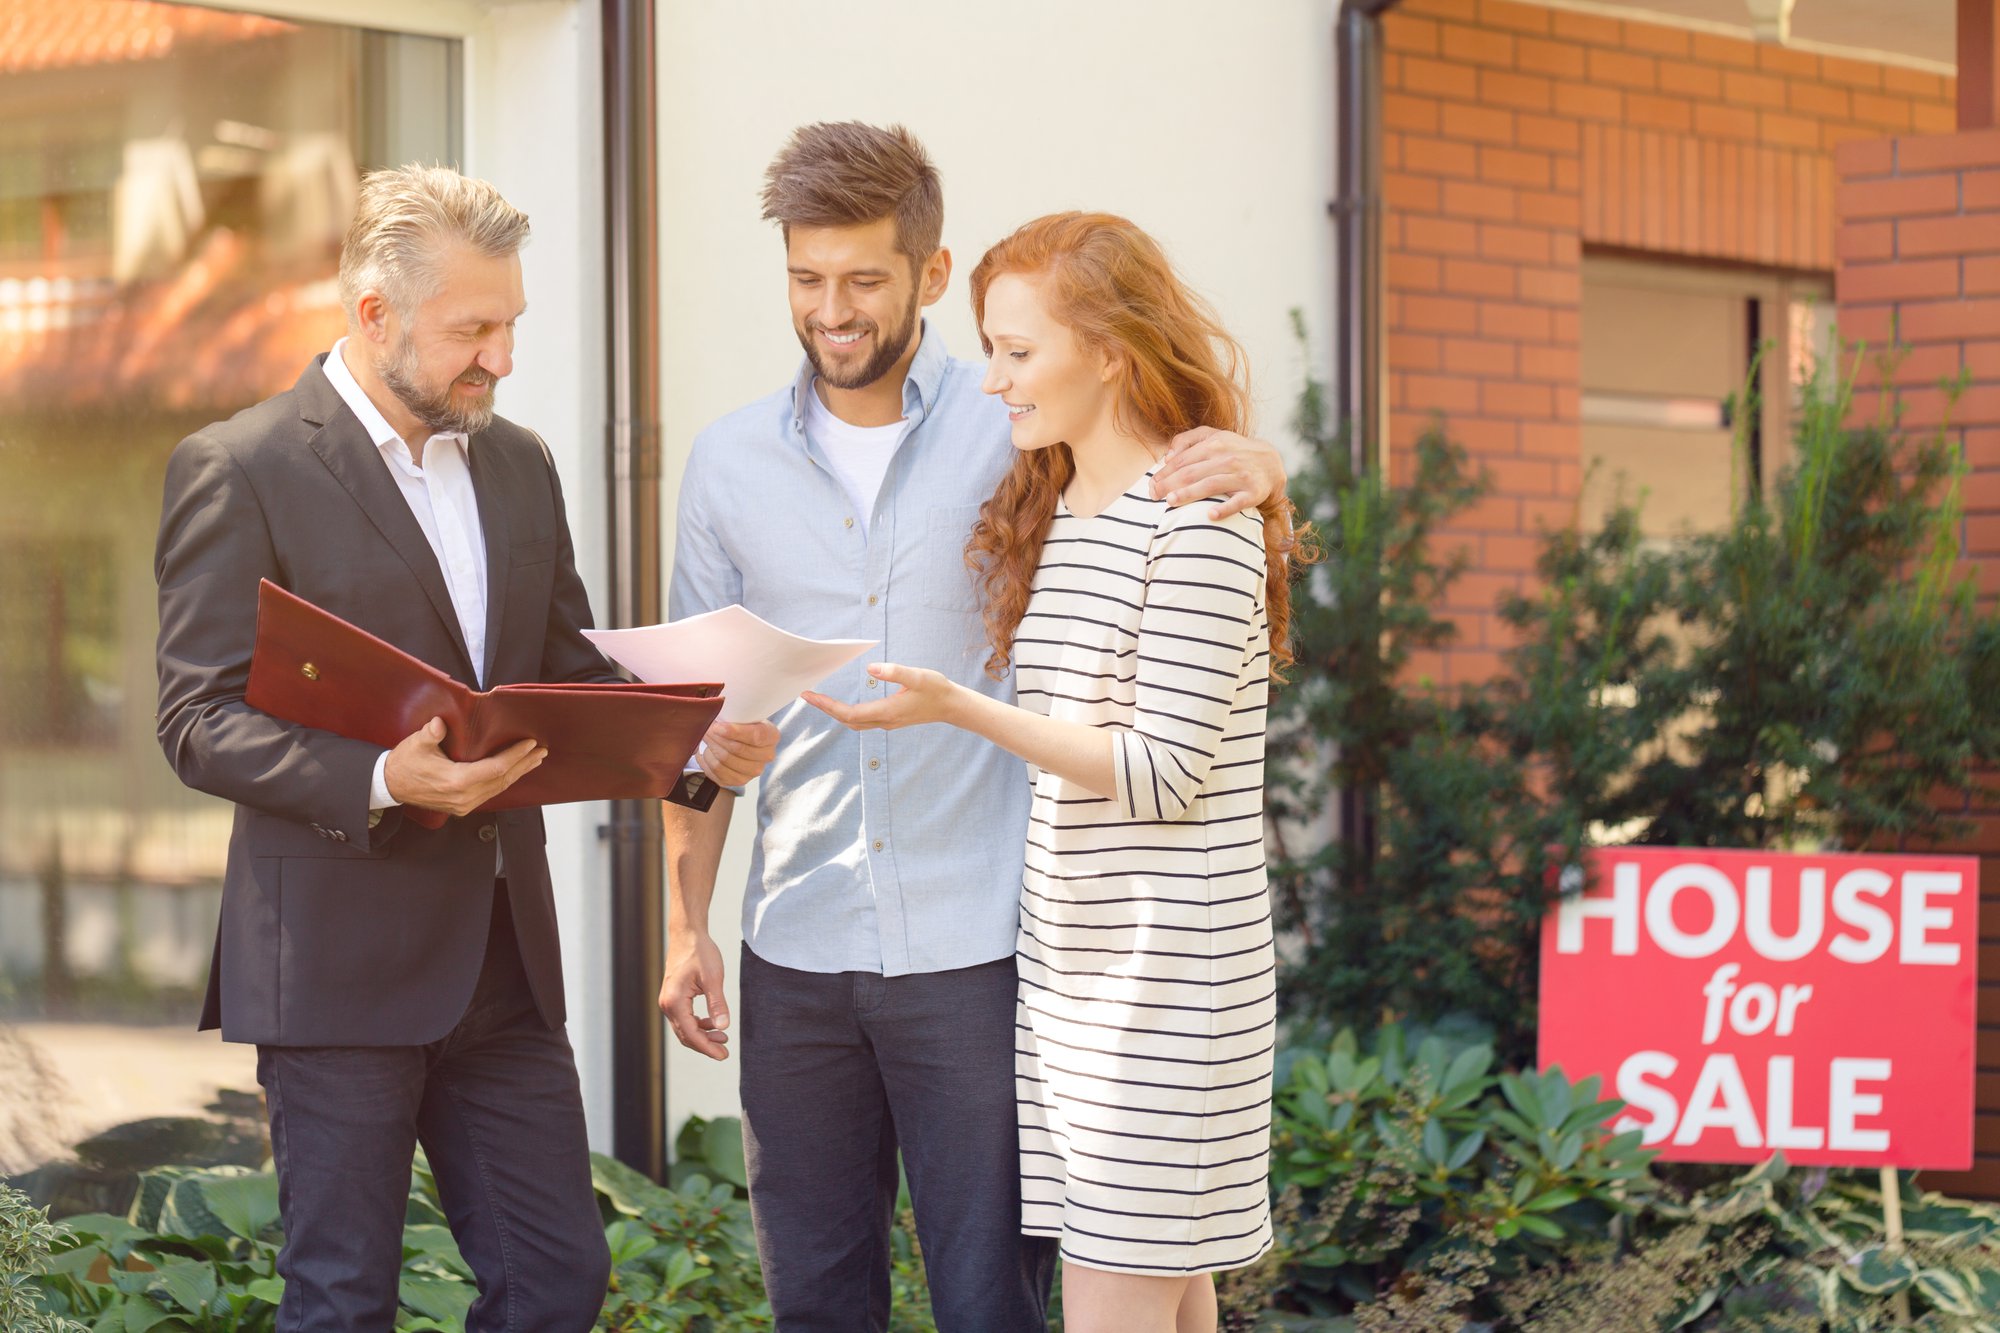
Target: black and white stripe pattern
1148,986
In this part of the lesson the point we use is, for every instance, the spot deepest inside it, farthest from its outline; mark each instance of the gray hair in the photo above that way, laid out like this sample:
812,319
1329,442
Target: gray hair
404,217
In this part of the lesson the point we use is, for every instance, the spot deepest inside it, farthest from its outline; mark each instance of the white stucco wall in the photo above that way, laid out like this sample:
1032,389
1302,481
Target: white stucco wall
1209,122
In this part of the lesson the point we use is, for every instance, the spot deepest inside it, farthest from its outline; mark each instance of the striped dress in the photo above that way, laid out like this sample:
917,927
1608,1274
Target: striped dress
1146,1016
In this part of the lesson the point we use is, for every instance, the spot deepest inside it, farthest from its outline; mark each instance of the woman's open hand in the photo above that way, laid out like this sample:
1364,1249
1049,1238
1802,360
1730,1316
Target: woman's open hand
925,696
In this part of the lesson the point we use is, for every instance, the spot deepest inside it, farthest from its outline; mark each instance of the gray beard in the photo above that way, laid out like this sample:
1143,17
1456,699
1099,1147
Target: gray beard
435,410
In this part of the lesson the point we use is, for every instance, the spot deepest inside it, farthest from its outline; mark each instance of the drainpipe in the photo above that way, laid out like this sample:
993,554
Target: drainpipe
1357,211
638,937
1359,398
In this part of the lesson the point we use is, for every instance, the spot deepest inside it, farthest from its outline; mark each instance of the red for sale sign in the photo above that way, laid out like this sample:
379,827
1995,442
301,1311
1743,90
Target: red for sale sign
1744,1003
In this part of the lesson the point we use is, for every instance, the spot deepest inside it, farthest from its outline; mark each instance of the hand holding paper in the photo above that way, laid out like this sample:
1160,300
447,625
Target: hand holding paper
762,668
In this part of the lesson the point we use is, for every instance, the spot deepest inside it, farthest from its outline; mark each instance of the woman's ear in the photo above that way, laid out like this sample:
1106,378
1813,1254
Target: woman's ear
1113,367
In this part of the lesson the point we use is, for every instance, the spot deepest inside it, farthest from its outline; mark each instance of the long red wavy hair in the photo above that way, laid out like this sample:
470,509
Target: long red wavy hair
1110,284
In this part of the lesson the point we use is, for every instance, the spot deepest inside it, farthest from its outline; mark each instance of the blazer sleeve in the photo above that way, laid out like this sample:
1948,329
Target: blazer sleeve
214,545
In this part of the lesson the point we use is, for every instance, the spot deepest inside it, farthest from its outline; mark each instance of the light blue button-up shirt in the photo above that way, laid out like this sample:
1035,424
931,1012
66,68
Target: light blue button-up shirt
878,851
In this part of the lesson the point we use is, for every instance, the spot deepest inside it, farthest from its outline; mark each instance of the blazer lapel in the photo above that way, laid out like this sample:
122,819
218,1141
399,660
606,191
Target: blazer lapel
342,444
488,489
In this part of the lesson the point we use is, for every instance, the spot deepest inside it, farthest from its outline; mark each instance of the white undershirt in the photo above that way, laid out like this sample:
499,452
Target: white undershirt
859,455
441,497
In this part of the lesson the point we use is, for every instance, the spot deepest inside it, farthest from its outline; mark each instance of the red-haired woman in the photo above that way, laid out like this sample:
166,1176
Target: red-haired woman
1142,639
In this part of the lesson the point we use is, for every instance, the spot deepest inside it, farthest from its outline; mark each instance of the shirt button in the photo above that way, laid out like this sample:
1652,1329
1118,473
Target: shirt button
872,682
487,833
847,522
874,763
872,599
878,844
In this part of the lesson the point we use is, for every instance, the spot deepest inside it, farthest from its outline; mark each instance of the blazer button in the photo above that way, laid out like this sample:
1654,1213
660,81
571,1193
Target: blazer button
338,835
488,832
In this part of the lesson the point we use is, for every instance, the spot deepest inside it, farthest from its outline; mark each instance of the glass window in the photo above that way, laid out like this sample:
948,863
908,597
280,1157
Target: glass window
174,183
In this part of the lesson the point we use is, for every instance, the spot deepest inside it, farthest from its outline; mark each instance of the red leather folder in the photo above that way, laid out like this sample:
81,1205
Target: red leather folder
608,741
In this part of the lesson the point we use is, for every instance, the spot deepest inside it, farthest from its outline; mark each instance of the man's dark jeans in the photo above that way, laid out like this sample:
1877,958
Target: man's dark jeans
495,1104
839,1070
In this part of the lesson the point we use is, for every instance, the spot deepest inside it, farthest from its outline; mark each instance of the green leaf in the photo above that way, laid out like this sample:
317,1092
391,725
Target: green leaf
1560,1197
1523,1099
1619,1145
626,1190
440,1298
268,1289
247,1205
681,1269
1436,1147
135,1314
1879,1272
1555,1098
1540,1226
722,1150
629,1242
187,1212
190,1285
1468,1148
1469,1066
1946,1291
103,1226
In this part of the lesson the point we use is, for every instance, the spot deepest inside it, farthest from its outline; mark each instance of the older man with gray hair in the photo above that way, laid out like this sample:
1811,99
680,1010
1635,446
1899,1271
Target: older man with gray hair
403,985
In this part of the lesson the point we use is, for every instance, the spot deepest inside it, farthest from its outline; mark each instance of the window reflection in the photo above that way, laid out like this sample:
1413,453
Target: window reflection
174,181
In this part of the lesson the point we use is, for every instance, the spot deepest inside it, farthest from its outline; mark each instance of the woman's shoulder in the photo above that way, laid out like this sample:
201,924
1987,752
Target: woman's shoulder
1190,523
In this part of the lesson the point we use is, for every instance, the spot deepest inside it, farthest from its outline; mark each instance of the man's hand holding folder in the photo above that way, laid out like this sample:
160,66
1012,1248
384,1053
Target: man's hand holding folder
456,751
422,775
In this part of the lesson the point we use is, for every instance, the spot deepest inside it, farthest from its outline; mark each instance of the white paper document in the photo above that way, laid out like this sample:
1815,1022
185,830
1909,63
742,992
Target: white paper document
761,667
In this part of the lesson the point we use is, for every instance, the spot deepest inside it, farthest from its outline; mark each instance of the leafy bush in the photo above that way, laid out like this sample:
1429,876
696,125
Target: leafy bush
1420,1175
197,1253
26,1239
1776,1249
1808,675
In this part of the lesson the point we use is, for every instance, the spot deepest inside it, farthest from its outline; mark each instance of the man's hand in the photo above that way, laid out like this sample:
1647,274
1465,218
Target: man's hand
1205,461
694,967
420,774
732,753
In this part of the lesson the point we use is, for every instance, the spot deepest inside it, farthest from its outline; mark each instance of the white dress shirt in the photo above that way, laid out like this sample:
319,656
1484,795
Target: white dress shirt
440,495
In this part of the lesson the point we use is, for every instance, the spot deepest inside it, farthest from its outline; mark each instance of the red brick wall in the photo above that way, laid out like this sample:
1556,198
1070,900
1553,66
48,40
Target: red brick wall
1513,136
1919,250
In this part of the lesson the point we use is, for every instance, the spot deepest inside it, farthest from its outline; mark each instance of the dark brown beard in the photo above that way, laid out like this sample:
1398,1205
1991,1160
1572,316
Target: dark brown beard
888,351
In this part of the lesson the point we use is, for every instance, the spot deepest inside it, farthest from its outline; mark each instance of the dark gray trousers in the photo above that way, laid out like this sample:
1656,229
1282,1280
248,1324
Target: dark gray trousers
496,1105
839,1070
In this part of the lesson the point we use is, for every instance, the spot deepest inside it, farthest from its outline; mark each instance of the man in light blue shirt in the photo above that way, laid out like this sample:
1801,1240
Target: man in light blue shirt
879,920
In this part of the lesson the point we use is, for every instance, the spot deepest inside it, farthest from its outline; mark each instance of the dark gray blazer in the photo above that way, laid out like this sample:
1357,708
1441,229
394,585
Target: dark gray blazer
334,932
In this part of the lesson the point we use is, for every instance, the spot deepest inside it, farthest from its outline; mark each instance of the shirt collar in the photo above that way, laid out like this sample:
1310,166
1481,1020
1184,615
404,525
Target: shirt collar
920,386
379,430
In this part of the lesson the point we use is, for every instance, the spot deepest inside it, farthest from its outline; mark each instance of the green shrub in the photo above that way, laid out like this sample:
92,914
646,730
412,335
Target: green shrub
1808,675
1423,1174
197,1253
1775,1249
27,1238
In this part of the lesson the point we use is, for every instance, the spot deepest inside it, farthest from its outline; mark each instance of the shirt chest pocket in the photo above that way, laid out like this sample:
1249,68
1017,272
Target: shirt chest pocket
947,583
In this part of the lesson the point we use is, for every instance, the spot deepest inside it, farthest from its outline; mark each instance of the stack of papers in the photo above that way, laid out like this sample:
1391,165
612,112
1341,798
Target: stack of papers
762,668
